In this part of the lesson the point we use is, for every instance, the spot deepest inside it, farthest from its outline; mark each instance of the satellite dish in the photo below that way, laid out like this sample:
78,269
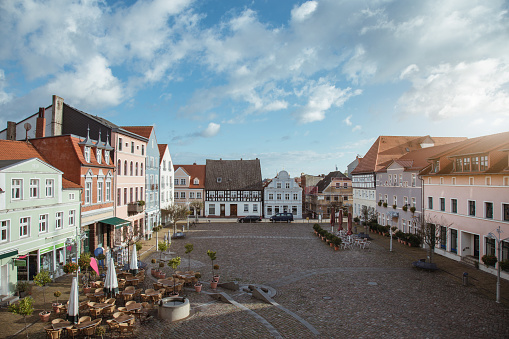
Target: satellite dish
27,126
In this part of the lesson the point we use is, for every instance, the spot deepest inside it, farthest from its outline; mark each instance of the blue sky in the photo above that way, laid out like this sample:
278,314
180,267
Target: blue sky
303,85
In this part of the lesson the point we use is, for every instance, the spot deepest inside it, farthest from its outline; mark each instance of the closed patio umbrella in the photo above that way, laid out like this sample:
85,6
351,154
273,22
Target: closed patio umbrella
74,304
133,265
349,232
111,282
340,220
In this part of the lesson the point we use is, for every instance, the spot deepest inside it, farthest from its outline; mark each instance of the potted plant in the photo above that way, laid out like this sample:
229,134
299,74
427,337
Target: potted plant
84,263
337,243
212,257
42,279
100,331
56,306
162,248
385,204
489,259
71,267
174,263
412,209
141,203
394,206
198,285
504,265
24,307
189,249
23,288
404,208
160,274
380,203
216,275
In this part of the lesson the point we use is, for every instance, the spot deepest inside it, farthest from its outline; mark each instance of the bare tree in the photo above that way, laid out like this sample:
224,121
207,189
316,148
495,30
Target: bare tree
197,205
432,231
175,213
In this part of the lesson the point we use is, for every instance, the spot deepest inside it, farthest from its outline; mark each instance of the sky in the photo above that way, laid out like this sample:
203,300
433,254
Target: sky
304,86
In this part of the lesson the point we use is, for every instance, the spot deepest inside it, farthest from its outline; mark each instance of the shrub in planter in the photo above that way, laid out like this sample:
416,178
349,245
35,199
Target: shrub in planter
394,206
489,259
399,234
504,265
380,203
42,279
71,267
414,240
385,204
23,288
404,208
412,209
356,219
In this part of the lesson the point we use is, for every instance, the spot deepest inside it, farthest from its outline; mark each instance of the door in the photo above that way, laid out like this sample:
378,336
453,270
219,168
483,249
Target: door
233,210
4,284
476,246
222,210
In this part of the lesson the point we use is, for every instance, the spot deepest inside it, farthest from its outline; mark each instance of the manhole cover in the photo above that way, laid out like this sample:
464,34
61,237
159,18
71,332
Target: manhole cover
372,283
327,298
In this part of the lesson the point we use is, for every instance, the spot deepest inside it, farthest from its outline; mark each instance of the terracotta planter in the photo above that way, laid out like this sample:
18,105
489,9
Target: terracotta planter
44,316
153,271
409,245
213,284
87,290
336,248
56,307
197,288
216,278
331,244
162,275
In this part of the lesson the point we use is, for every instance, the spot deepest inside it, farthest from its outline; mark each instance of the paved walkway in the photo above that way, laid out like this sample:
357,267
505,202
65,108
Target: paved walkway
349,293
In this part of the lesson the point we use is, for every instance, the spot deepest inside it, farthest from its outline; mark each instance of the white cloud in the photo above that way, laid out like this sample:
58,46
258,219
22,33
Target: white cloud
4,96
211,130
303,11
356,128
348,120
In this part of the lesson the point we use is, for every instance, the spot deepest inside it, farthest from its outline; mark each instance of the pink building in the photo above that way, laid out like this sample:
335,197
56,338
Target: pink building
466,193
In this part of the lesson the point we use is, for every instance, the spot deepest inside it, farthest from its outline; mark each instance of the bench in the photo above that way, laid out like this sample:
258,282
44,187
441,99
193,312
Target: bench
425,265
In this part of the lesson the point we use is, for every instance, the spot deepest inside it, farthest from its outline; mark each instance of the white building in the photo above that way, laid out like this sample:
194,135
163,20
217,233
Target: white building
166,175
282,194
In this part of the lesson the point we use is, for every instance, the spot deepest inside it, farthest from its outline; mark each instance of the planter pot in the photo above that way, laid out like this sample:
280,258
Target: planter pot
213,284
331,244
162,275
153,271
409,245
216,278
336,248
197,288
44,316
56,307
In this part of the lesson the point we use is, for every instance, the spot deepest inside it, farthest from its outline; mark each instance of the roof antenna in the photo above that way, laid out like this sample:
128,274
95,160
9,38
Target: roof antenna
28,127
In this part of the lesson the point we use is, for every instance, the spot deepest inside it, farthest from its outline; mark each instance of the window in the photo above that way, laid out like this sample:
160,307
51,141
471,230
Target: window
505,212
287,196
142,149
278,196
278,185
17,189
34,188
131,194
276,209
484,163
466,164
471,208
453,181
287,185
271,196
141,169
4,230
131,172
132,146
108,191
99,156
119,144
196,181
141,193
345,185
430,203
99,191
458,165
119,167
269,210
43,223
125,196
255,208
475,164
72,217
294,210
442,204
176,181
488,208
394,200
405,201
471,181
441,180
182,181
59,220
119,197
295,196
212,209
88,193
176,195
454,205
24,227
107,157
490,246
443,237
246,208
50,186
182,195
488,181
136,196
87,154
198,195
413,202
454,241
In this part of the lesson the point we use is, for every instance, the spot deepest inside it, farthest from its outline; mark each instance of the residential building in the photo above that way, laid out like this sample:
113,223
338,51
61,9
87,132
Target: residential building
282,194
189,182
233,188
308,184
333,191
466,194
166,174
152,208
384,150
39,216
351,166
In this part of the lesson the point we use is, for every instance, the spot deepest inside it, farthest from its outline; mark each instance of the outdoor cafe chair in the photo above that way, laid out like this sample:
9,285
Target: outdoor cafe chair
158,286
112,325
95,312
366,245
98,290
121,310
144,297
125,329
53,334
72,332
85,318
110,301
58,320
107,311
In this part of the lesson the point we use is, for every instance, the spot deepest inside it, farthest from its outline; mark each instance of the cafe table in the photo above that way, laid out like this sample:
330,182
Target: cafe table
101,305
84,324
60,325
133,307
123,318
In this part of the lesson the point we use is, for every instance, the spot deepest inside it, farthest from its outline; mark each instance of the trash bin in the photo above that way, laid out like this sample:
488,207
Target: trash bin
465,279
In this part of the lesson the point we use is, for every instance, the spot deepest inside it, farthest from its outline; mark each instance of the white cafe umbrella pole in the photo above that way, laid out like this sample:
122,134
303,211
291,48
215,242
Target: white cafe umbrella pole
134,261
74,305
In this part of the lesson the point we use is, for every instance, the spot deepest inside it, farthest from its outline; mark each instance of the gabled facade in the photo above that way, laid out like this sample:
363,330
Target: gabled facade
39,217
308,183
466,194
233,188
166,175
333,191
282,194
190,186
152,161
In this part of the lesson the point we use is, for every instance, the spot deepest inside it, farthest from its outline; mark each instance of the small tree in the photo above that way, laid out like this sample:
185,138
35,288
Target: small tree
174,263
197,206
139,246
24,308
212,256
42,279
175,213
189,249
57,294
84,263
162,247
429,231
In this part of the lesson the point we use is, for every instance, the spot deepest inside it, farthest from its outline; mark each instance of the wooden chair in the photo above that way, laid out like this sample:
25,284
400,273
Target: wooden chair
55,334
130,302
122,310
110,301
144,297
89,331
98,290
158,286
72,332
117,314
95,312
56,321
113,327
124,329
108,311
137,294
83,319
83,307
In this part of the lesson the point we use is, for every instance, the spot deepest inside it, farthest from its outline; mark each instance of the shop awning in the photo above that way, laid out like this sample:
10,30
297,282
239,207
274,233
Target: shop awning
7,254
114,221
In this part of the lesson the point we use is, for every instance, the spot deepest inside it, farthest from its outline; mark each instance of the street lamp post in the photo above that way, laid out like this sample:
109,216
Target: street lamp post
498,241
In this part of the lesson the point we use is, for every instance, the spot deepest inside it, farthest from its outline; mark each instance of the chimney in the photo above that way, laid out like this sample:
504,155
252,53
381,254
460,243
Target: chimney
11,130
57,118
40,129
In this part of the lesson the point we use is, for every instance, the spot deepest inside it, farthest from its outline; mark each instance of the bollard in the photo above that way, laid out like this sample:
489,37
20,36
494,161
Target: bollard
465,279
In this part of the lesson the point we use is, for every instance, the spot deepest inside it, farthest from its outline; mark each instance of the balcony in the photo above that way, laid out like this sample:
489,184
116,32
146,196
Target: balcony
135,207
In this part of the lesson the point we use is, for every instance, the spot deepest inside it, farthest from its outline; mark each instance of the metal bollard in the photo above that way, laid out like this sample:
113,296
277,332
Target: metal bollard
465,279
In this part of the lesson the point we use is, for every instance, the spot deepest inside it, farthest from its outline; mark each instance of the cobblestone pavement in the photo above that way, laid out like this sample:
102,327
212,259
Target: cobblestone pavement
348,293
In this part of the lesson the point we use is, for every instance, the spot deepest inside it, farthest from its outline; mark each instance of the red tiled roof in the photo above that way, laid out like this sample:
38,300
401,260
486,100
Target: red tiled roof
194,171
14,150
162,148
144,131
69,184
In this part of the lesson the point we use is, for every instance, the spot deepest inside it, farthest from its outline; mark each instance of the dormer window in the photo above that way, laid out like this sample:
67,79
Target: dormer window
196,181
99,155
436,166
219,180
107,157
87,154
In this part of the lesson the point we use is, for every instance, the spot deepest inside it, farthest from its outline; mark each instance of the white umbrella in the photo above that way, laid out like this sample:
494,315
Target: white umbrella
74,303
133,266
111,283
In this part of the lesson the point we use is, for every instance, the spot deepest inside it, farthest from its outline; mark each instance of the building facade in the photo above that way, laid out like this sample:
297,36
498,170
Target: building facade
233,188
334,191
166,175
282,194
189,185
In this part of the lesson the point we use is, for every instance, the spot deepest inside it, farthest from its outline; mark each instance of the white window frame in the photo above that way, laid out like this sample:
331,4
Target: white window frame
295,196
43,223
191,195
87,154
246,207
212,209
34,188
5,226
108,190
88,192
107,157
182,195
72,217
59,220
100,191
198,195
196,181
50,188
99,155
24,225
183,182
17,189
287,196
287,185
255,207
